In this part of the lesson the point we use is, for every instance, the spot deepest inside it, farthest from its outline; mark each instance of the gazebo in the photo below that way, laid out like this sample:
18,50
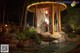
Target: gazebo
48,16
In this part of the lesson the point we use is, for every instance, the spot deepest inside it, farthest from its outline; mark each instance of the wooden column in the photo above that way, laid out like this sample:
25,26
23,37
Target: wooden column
59,21
36,17
33,19
53,19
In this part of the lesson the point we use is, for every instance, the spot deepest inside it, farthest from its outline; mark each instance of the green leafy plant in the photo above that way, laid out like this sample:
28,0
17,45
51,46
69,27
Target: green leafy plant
32,34
29,33
71,19
71,35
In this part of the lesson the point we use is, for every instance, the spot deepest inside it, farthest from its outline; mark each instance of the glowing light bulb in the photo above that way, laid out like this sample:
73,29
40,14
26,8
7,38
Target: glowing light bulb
6,25
46,20
46,12
73,3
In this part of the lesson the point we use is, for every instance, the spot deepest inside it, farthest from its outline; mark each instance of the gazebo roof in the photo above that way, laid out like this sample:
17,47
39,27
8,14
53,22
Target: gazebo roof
58,6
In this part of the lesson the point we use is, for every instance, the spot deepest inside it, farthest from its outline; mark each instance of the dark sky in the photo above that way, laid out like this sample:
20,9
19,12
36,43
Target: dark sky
13,10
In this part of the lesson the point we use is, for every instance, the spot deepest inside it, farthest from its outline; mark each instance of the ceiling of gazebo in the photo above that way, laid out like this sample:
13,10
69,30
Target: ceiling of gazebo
58,6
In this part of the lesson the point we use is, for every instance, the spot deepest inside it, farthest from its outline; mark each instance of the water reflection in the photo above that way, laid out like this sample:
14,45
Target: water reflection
52,48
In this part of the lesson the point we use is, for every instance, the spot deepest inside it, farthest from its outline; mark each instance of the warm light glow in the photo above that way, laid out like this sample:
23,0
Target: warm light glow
73,3
46,20
6,25
46,12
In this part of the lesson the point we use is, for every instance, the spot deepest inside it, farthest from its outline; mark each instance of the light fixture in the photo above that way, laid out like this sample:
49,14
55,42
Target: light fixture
73,3
6,25
46,12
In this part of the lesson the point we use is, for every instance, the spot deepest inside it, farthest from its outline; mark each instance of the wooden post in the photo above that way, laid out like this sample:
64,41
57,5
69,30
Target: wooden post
36,17
53,19
33,20
59,21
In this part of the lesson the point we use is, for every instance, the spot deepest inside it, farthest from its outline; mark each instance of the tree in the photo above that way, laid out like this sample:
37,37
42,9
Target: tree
71,18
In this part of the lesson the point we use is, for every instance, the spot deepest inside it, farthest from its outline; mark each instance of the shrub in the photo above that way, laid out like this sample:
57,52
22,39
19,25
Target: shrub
71,35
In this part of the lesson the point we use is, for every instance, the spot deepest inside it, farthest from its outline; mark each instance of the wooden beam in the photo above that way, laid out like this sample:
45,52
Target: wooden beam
53,12
59,21
36,17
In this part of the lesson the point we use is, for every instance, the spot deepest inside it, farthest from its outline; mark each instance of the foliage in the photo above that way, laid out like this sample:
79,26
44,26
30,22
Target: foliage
71,35
21,36
71,18
29,33
32,34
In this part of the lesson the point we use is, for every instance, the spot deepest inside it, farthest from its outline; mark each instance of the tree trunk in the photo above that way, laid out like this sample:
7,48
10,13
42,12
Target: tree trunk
22,17
3,30
25,19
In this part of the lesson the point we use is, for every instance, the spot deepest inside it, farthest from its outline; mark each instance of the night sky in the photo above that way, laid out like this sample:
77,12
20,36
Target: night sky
13,11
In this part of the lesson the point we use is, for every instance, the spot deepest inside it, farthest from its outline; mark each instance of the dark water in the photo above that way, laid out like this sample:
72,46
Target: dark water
52,48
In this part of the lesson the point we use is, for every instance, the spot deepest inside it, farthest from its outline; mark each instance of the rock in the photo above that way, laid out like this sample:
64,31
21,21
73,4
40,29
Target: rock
59,37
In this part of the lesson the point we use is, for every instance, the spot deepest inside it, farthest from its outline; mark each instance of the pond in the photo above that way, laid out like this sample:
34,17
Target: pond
52,48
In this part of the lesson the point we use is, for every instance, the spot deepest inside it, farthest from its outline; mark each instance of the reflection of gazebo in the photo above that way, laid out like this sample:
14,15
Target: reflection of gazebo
48,17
